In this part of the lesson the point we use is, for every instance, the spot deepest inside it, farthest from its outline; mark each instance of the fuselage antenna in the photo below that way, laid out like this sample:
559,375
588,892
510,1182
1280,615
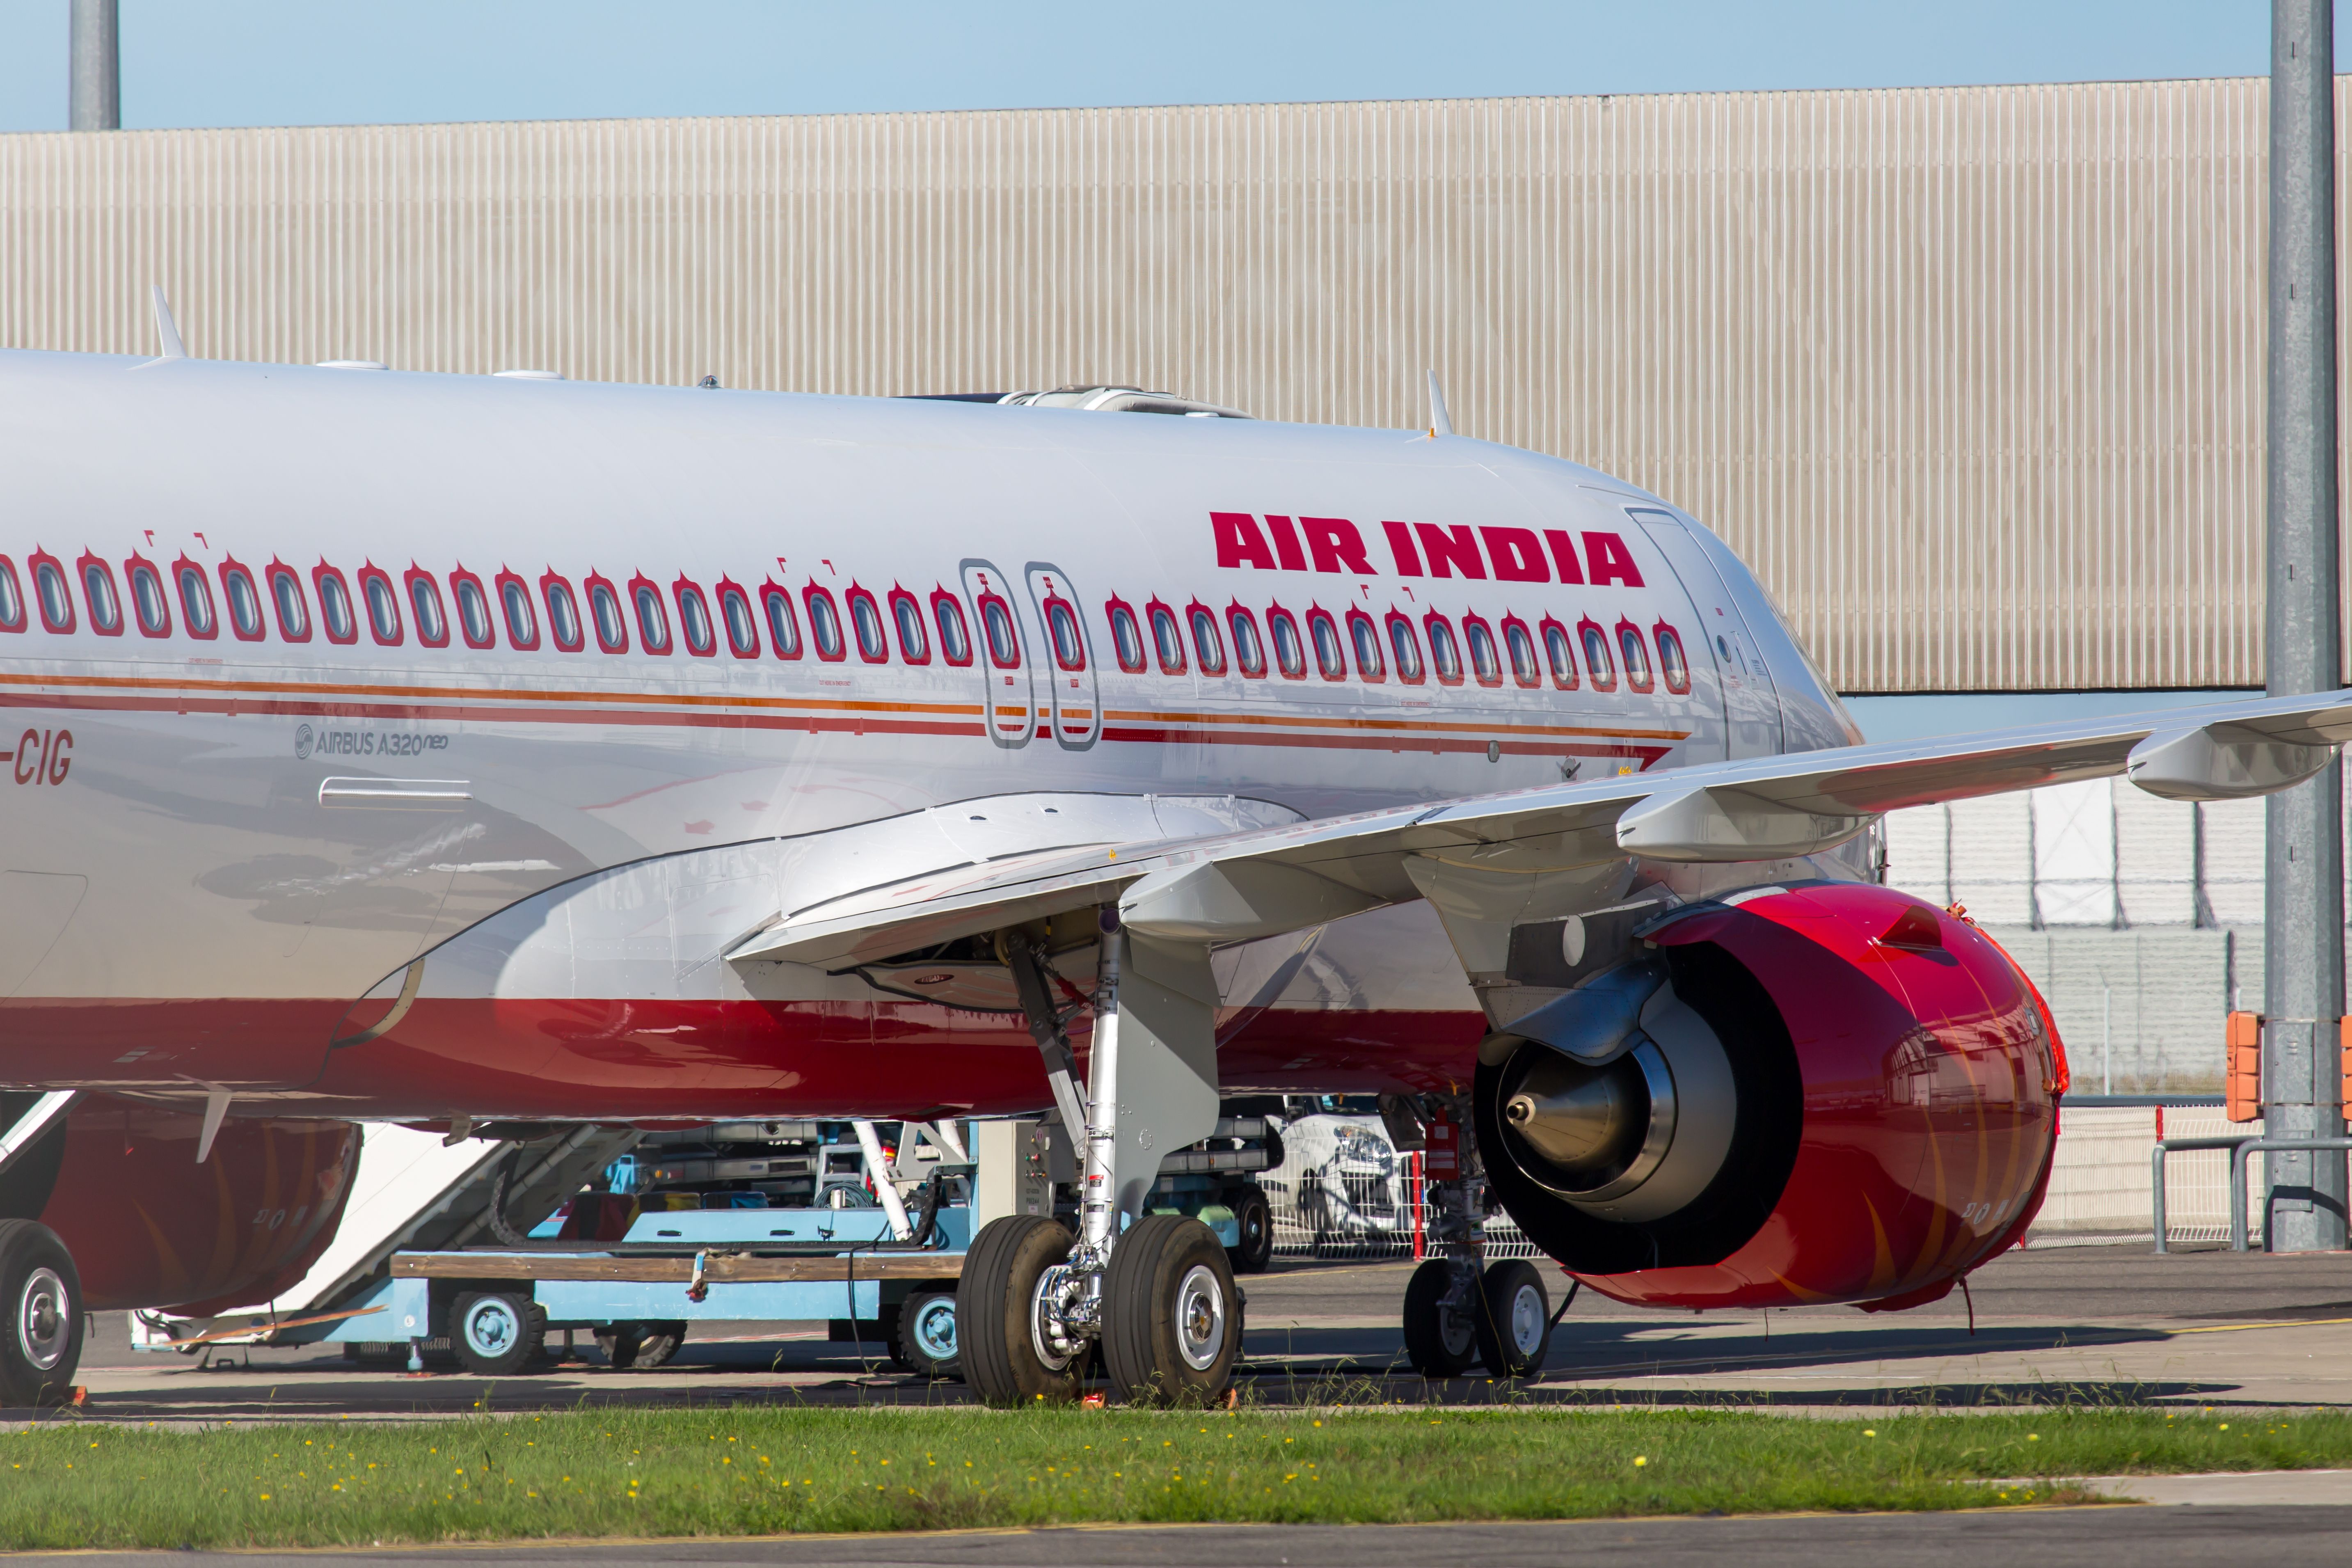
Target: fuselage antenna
1439,424
167,328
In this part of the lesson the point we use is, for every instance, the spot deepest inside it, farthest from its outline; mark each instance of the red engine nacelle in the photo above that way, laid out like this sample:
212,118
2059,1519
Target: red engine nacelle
148,1226
1858,1095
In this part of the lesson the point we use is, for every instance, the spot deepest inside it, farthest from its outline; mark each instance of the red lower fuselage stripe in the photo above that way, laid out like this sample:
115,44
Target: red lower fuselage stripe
579,1058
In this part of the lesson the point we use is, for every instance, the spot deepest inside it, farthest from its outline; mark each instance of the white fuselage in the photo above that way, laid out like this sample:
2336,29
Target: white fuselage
215,842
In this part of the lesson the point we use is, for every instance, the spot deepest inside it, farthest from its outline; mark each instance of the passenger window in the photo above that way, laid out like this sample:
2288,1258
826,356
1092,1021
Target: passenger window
694,620
563,612
1406,647
824,624
1599,663
1366,639
1329,658
653,621
195,599
424,598
522,621
867,617
384,606
1485,663
1003,641
1523,653
913,645
604,604
743,631
1069,647
1168,640
1674,666
335,611
473,609
98,588
56,600
955,637
1637,657
1290,653
243,602
1249,653
1126,638
784,626
1207,641
293,605
1563,654
1444,653
148,601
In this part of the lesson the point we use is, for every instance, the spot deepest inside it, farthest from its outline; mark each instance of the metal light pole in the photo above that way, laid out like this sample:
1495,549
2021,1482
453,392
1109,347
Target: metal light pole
2303,901
97,74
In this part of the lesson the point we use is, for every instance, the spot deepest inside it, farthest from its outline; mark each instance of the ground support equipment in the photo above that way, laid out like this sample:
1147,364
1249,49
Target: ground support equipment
681,1269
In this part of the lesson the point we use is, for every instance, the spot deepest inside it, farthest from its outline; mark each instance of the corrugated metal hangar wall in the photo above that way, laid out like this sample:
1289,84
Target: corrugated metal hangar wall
1973,376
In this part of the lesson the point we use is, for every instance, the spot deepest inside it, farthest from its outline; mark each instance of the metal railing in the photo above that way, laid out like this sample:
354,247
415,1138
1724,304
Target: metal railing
2237,1207
2238,1174
2243,1148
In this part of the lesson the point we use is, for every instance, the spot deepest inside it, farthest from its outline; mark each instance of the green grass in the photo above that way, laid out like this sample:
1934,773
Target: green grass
680,1472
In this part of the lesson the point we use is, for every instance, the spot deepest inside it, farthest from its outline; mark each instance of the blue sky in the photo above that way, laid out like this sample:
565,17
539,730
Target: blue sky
277,62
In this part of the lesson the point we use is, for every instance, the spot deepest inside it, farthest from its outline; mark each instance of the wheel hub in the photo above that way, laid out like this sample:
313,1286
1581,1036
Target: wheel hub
1527,1319
43,1323
1050,1329
1200,1317
491,1329
935,1330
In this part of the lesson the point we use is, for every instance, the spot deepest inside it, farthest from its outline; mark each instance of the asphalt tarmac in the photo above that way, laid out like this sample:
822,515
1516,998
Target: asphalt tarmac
2112,1324
2145,1537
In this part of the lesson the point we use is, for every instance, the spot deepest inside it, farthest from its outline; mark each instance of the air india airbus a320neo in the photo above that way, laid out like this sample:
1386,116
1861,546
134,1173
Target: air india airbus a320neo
460,749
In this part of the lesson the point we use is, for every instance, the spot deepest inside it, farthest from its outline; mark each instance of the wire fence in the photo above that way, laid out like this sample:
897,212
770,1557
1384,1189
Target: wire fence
1343,1191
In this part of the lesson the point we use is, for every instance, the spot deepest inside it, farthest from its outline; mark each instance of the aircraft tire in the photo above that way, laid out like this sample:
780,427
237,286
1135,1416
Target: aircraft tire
1438,1343
1001,1361
1513,1320
40,1337
497,1333
1172,1314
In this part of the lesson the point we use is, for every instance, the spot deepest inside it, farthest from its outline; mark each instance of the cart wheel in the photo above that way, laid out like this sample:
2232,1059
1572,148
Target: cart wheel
495,1333
658,1343
40,1334
1171,1316
619,1344
1440,1341
996,1330
1253,1216
1513,1320
926,1343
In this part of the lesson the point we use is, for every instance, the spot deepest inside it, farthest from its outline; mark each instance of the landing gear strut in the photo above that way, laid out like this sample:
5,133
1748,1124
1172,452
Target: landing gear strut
1154,1293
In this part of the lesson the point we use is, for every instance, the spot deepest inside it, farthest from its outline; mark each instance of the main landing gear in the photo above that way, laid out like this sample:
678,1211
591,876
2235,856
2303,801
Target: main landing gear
1460,1311
1152,1295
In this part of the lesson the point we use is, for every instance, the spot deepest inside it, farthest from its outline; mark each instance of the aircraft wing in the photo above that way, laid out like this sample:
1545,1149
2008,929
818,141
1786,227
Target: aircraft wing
1240,886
